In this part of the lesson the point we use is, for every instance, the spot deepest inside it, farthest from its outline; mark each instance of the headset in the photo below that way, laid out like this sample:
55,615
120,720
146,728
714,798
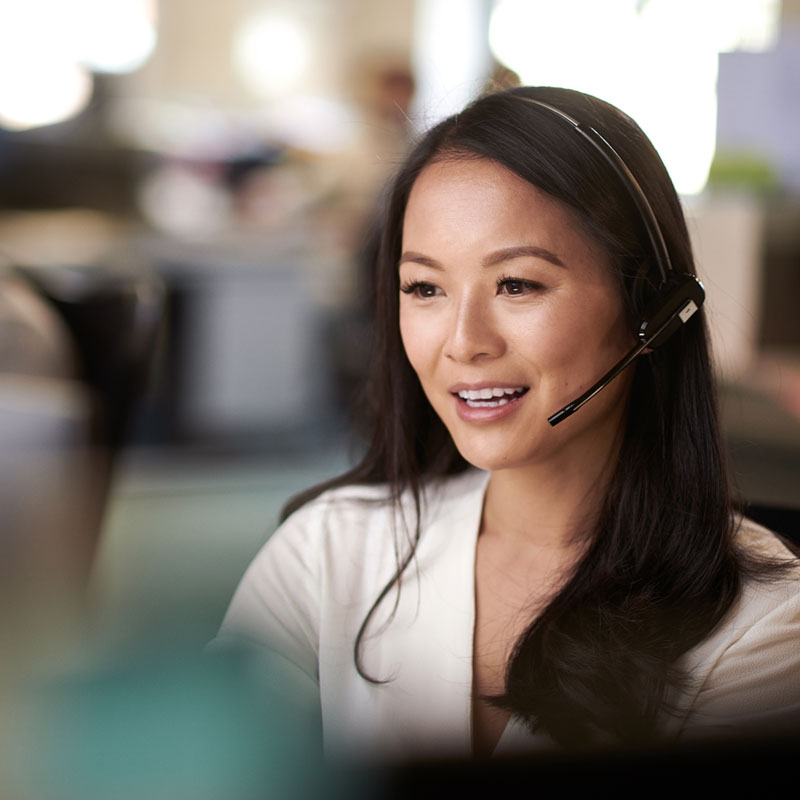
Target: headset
680,295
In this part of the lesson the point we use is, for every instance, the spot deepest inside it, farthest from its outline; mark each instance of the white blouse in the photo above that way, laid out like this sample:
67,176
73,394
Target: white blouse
309,589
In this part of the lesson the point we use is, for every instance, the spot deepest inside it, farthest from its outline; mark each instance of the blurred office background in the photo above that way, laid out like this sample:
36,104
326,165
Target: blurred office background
187,194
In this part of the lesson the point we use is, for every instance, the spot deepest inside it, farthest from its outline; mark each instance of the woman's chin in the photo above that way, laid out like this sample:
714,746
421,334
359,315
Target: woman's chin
492,459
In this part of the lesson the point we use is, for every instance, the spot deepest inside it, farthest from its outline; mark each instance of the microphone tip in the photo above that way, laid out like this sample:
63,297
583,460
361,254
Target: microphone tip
561,415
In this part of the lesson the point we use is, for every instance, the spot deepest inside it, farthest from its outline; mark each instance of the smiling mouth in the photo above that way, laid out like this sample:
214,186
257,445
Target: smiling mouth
491,397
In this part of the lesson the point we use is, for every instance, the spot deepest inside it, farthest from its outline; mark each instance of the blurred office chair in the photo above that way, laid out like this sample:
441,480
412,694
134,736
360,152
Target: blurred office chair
112,319
45,418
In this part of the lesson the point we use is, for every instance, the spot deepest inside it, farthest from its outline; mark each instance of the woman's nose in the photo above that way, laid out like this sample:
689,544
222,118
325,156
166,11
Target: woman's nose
473,332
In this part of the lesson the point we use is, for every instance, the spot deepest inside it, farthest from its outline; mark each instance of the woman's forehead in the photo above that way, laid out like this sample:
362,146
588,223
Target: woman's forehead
477,199
460,178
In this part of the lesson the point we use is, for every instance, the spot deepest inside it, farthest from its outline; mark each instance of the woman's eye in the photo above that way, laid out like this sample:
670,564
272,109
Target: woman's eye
419,289
517,286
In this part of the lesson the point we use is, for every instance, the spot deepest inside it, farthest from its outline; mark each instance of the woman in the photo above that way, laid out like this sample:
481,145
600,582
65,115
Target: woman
484,580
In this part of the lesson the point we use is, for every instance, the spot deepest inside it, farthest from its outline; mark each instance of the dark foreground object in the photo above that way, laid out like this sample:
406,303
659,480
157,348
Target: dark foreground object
742,769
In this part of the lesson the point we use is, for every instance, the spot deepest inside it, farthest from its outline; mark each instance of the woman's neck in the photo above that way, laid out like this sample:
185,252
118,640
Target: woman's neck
547,506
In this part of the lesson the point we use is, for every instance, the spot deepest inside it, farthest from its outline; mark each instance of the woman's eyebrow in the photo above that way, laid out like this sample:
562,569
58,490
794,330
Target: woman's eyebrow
418,258
509,253
497,257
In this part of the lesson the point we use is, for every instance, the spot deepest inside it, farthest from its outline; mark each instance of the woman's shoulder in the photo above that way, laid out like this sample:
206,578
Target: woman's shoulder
772,573
768,605
765,547
746,674
756,538
358,524
347,539
364,503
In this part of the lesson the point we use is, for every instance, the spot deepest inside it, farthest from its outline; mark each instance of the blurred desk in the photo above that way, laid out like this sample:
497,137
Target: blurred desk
245,361
762,429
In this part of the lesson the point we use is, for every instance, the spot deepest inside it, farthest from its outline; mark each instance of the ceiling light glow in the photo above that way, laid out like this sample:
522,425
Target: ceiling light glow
271,53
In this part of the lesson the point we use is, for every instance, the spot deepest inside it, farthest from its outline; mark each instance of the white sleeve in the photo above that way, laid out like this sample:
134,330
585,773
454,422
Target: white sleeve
276,605
754,684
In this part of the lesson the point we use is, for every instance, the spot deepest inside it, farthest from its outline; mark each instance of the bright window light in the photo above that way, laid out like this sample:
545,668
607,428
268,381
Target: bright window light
115,36
451,57
47,48
50,91
655,59
40,81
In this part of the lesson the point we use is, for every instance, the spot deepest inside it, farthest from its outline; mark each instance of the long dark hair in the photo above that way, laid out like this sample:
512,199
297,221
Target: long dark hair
662,568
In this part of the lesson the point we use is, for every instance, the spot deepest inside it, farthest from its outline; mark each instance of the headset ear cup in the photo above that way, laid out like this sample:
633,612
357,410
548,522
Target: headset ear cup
677,302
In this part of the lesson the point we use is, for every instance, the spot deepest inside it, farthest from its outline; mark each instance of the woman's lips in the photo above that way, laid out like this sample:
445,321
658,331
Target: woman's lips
490,395
488,404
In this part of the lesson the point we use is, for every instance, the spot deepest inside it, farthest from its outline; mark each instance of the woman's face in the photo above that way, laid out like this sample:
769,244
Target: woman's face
508,311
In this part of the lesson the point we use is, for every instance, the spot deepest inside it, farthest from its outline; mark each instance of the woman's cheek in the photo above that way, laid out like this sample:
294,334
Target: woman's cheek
416,331
421,330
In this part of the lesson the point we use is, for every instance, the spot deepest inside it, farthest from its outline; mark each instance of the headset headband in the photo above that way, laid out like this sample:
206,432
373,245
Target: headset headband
613,158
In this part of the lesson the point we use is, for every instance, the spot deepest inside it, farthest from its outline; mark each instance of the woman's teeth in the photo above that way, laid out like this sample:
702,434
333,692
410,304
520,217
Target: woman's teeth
490,397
